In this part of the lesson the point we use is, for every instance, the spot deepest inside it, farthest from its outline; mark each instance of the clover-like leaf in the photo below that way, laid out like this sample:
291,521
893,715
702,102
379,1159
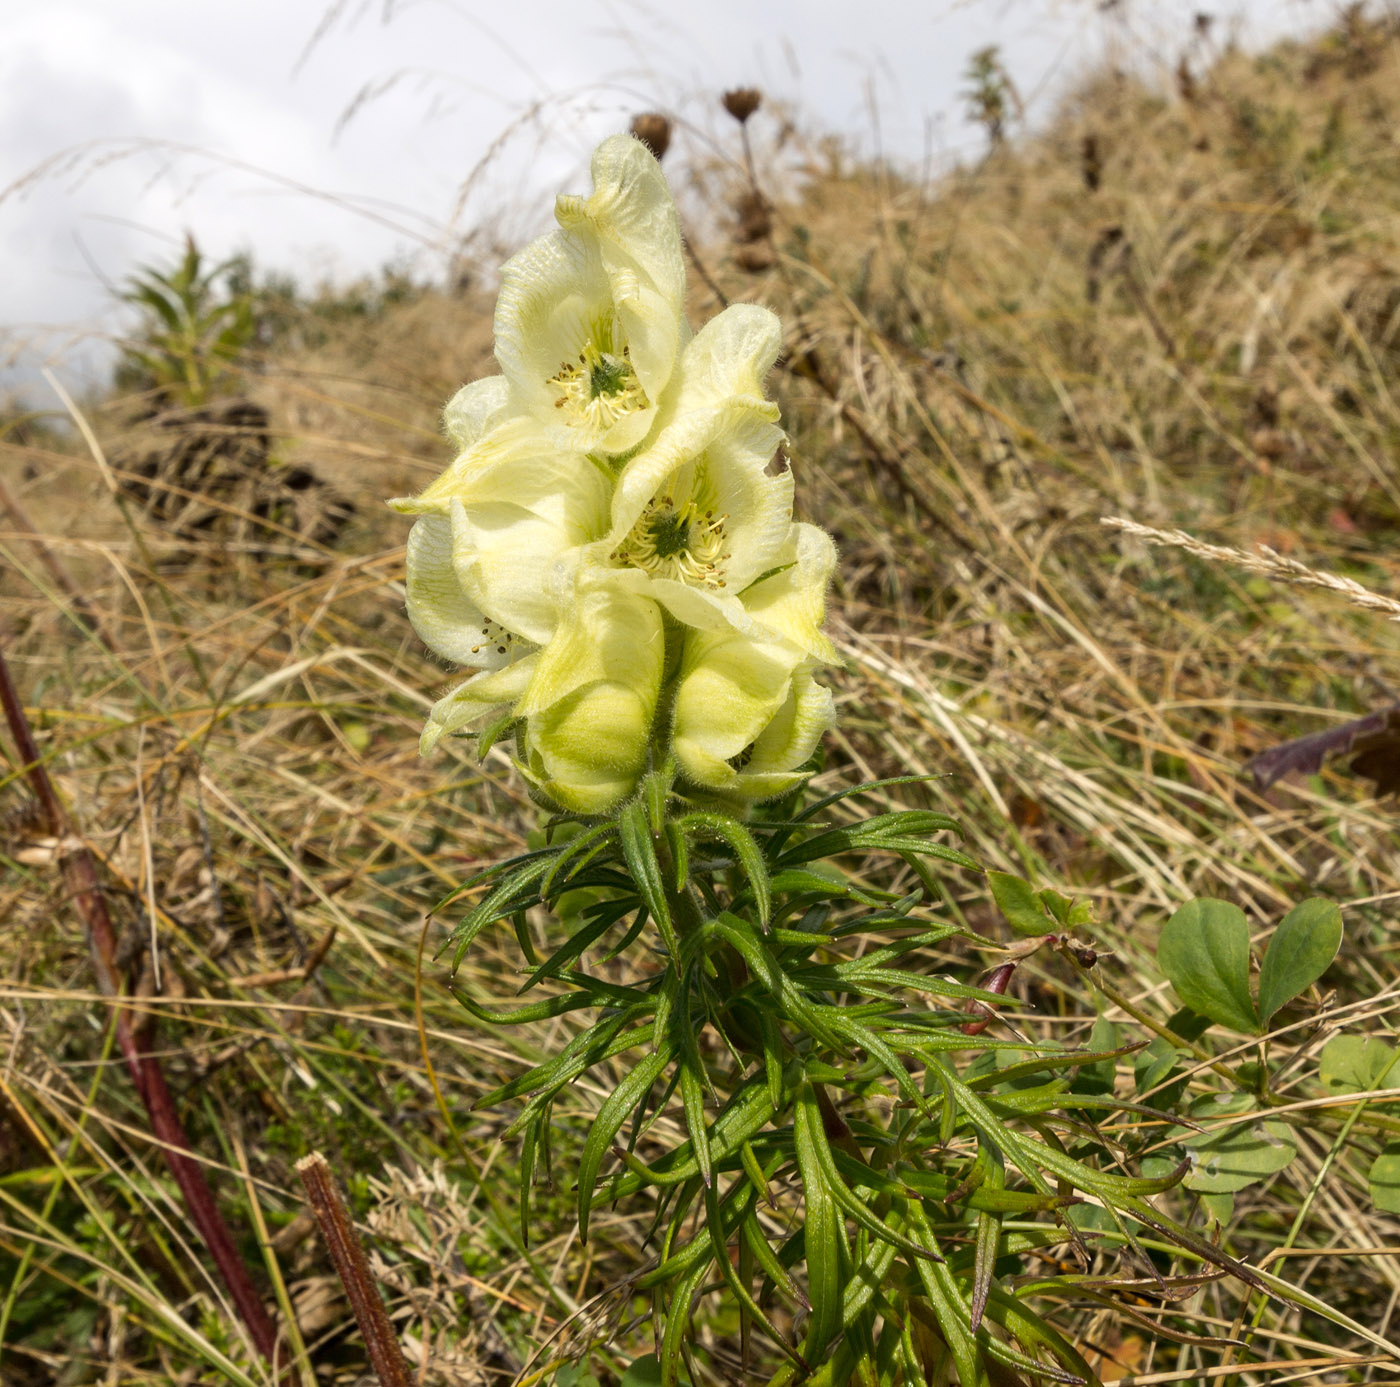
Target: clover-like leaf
1204,951
1384,1179
1357,1064
643,1372
1239,1156
1302,948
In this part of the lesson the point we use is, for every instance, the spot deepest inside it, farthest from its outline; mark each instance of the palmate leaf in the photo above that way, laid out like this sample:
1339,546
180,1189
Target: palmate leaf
574,855
599,1042
677,1321
748,1305
517,888
639,852
865,788
732,1206
897,832
605,915
788,997
809,885
748,1111
694,1079
824,1229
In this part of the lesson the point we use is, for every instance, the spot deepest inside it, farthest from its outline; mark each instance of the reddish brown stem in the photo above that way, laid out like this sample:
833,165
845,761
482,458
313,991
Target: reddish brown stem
352,1266
80,877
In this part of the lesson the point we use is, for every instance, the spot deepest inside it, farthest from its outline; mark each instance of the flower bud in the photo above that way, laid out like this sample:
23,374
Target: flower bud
747,715
592,701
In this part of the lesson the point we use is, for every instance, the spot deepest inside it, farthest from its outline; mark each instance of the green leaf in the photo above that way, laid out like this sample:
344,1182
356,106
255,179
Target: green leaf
639,851
1384,1179
677,1322
1204,951
746,853
823,1225
988,1240
575,1375
643,1372
693,1086
1016,898
624,1098
1301,949
1220,1208
1355,1064
1239,1156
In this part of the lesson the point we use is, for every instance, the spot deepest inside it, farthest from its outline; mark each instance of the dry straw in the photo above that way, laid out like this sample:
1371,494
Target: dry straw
1266,562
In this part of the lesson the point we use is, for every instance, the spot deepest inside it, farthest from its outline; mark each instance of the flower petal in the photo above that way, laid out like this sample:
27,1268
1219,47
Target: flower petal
509,442
446,619
472,411
747,714
633,216
515,564
807,714
712,453
590,319
492,692
592,700
791,604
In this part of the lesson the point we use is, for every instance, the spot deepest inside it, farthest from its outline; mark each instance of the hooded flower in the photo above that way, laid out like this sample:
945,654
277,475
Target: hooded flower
590,319
748,711
697,515
520,516
613,535
492,555
592,699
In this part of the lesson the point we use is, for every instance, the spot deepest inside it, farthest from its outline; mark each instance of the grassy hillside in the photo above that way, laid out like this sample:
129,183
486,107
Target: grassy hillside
1180,308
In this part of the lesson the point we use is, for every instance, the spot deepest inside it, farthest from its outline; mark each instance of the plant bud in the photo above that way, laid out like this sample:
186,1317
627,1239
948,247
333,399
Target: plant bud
742,102
653,130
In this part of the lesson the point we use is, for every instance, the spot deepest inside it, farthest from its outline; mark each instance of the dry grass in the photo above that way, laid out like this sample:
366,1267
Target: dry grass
977,372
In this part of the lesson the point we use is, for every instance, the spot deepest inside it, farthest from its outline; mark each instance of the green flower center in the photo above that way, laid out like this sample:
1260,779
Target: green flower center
609,375
599,388
679,541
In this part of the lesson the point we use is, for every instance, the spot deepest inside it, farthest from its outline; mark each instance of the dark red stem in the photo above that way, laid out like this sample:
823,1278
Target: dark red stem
352,1266
80,877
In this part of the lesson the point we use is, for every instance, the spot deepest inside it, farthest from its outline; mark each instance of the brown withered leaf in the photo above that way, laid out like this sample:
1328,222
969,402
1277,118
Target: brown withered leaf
1373,742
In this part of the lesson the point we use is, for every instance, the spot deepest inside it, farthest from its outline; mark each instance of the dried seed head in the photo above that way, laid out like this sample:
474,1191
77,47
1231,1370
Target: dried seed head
742,102
653,130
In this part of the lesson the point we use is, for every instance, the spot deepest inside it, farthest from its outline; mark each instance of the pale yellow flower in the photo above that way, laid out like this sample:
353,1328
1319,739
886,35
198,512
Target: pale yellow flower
590,320
700,512
484,698
618,519
502,531
591,701
748,711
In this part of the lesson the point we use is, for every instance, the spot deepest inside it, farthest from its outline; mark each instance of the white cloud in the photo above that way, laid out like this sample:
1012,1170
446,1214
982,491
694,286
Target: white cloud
224,79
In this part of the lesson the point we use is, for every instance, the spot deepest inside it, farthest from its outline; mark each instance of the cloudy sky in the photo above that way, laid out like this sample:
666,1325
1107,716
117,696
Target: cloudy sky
331,136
